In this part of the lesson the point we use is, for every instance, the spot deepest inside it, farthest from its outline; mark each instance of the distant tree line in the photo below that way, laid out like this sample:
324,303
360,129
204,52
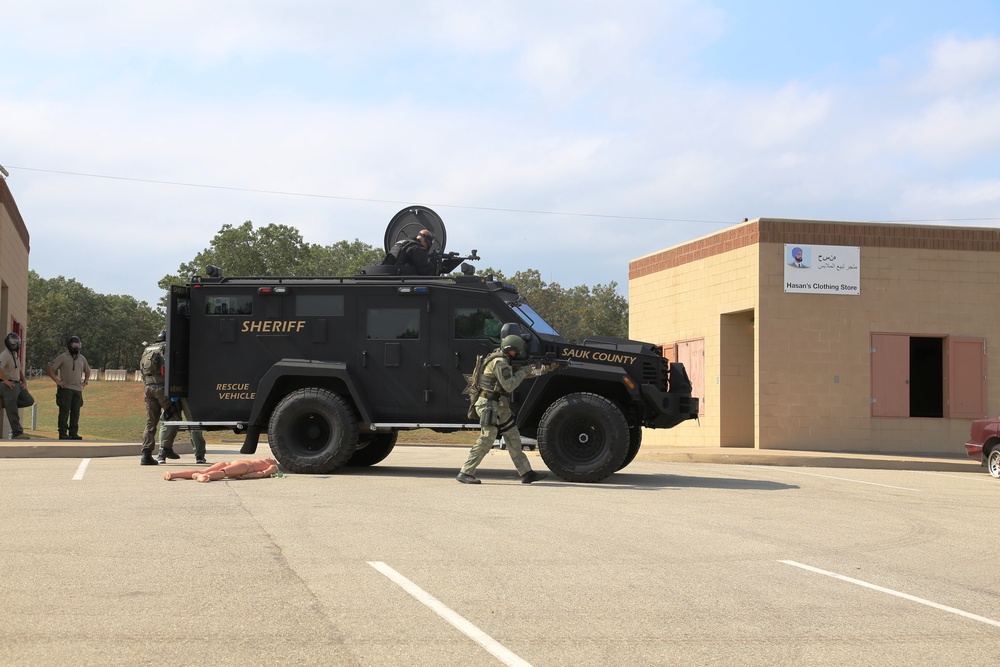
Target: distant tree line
111,327
114,328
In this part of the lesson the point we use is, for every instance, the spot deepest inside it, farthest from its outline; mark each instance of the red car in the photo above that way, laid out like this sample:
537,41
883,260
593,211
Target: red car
984,444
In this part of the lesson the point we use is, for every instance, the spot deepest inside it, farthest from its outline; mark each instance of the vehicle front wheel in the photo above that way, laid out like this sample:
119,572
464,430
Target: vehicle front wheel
993,461
312,430
373,448
583,437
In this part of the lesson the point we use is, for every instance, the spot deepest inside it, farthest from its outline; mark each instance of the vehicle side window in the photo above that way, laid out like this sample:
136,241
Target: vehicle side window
319,305
229,305
182,306
393,323
476,323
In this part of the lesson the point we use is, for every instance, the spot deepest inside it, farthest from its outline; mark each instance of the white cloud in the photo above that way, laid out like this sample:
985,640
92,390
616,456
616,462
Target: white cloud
956,64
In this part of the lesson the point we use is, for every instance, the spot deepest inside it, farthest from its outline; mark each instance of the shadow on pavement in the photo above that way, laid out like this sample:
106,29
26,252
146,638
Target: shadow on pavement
616,481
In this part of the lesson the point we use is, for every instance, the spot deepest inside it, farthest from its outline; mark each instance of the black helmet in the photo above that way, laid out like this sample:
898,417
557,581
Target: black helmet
515,343
162,336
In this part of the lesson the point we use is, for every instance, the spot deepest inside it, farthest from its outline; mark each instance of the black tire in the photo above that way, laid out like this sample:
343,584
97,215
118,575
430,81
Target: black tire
583,437
312,431
634,443
993,461
372,448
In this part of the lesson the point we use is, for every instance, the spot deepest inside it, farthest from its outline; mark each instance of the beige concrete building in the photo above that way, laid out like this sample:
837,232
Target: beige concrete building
829,336
14,246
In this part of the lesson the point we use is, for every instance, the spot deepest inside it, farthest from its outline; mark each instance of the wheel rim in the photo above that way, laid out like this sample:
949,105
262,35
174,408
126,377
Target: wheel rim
310,433
582,440
993,464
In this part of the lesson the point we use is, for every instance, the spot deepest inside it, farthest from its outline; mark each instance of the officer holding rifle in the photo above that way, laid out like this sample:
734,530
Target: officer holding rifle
497,380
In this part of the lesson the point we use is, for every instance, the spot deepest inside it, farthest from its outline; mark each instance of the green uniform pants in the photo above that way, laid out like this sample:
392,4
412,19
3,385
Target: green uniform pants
156,402
14,398
488,434
69,401
169,433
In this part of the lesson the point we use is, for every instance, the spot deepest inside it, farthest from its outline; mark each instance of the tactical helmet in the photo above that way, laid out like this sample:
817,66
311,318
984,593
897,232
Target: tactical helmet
514,342
162,336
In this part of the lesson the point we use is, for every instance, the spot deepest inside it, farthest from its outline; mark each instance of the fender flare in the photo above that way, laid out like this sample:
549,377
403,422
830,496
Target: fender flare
536,401
306,368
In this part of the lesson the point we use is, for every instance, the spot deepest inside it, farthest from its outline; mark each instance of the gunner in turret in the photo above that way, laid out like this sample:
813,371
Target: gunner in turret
413,255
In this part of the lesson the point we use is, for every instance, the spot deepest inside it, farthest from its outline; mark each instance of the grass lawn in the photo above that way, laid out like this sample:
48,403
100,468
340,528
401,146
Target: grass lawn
115,411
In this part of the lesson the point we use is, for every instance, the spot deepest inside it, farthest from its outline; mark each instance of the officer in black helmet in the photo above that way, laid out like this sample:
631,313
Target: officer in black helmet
13,387
497,382
413,255
73,377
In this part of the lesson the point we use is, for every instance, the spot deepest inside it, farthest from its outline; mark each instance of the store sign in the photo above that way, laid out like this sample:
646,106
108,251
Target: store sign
822,269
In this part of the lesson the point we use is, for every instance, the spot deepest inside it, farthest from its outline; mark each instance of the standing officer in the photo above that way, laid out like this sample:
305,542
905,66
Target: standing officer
414,254
151,367
74,375
13,388
497,382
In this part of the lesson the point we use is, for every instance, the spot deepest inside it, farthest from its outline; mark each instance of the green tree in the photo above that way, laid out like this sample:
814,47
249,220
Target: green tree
343,258
274,250
112,327
576,313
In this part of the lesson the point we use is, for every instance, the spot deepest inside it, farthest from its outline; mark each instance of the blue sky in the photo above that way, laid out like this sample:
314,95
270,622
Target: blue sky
570,137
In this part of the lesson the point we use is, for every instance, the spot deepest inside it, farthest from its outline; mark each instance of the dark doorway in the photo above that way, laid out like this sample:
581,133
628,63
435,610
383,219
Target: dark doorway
926,377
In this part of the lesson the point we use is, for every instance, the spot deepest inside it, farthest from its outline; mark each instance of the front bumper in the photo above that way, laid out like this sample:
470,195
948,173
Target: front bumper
665,409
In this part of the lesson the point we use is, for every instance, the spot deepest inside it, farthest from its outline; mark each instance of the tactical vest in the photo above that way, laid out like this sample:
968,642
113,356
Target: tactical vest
480,382
151,363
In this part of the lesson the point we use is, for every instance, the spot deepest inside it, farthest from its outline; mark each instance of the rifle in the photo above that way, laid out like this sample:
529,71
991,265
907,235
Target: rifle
446,262
544,360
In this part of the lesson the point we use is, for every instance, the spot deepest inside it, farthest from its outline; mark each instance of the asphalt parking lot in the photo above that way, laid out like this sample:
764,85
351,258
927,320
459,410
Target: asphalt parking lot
664,563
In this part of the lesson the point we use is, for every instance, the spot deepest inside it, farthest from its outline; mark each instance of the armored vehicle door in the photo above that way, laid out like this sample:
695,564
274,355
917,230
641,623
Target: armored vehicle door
471,328
394,341
178,340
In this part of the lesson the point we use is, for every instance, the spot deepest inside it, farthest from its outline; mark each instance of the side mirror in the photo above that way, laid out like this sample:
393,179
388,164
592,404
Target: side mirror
515,329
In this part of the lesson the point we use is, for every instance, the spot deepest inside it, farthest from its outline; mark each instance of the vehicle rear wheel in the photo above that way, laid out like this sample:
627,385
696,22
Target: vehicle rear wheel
993,461
634,442
583,437
373,448
312,431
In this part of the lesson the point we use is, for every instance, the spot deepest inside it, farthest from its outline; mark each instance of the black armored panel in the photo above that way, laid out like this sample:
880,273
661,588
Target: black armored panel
332,368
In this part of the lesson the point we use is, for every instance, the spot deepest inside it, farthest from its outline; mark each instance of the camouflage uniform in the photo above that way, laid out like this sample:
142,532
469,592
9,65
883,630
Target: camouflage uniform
495,416
155,398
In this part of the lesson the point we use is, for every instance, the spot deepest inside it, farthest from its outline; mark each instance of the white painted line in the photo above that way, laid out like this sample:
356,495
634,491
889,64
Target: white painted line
847,479
905,596
498,650
81,470
976,477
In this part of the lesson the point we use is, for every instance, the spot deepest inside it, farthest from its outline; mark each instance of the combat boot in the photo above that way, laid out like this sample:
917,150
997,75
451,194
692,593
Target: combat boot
467,479
167,453
532,476
147,458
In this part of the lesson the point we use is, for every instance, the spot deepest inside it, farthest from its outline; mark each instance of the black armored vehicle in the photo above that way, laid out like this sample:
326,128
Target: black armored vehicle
333,368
